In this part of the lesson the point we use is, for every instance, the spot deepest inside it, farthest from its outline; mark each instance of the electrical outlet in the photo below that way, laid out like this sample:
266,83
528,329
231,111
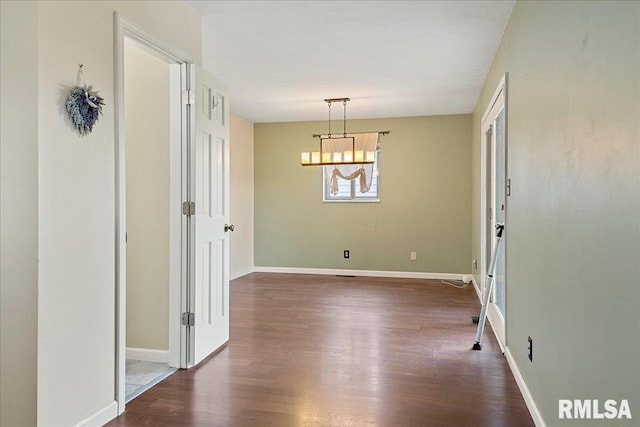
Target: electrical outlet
530,348
475,264
346,254
412,256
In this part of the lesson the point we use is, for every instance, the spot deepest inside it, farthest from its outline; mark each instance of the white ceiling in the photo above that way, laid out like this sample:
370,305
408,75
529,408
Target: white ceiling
392,58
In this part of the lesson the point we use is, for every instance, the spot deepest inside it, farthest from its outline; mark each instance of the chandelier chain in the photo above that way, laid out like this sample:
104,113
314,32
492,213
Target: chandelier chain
329,119
344,125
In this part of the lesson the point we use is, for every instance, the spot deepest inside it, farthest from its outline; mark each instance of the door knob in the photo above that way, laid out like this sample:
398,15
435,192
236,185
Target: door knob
229,227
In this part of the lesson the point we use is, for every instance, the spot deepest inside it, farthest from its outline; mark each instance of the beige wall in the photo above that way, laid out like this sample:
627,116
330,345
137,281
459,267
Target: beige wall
241,187
18,213
573,220
425,186
147,171
76,193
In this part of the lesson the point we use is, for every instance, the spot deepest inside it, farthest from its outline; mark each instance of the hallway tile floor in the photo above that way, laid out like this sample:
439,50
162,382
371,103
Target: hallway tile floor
141,376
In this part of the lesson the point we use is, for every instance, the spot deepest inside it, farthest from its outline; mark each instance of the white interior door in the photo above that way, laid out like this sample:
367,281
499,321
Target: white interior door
497,201
494,201
499,206
209,189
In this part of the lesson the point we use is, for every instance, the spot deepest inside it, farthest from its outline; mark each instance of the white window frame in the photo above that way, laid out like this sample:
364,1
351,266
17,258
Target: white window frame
354,198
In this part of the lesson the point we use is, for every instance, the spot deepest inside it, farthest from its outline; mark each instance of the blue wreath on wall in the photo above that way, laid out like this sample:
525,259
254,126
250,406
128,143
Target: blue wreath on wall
84,106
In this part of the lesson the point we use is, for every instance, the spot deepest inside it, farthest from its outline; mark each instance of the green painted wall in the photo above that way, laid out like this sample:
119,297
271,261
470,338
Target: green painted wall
425,186
573,221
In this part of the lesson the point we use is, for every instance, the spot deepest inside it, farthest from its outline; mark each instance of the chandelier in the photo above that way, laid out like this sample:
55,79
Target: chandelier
345,149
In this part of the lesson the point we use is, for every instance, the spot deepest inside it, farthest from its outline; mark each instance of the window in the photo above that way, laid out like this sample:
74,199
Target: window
349,190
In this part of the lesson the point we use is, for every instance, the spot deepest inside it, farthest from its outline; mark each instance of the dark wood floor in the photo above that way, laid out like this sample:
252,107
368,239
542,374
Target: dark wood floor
334,351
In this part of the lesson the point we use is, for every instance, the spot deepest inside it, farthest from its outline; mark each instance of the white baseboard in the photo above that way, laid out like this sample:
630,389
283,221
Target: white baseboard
477,288
239,274
522,385
526,394
148,354
101,417
364,273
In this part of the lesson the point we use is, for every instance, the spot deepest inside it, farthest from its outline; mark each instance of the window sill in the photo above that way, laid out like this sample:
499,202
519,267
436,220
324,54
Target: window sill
352,201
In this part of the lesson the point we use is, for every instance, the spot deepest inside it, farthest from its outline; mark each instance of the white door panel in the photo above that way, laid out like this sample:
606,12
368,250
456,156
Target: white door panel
210,191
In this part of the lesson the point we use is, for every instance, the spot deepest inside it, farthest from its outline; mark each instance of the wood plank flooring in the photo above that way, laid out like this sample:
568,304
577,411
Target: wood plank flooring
339,351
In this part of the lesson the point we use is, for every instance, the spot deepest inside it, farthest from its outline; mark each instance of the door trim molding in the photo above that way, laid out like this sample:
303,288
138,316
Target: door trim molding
502,85
500,91
125,28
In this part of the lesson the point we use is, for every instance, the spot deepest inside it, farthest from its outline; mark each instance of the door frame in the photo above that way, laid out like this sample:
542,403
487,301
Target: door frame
125,28
498,101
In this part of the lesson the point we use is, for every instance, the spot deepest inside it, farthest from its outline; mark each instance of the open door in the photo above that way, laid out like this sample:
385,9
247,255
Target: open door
207,319
494,206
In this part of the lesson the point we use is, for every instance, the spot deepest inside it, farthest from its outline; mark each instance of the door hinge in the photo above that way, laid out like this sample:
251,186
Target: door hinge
508,186
188,208
188,97
188,319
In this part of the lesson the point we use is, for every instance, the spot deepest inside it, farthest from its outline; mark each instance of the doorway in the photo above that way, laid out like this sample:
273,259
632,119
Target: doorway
494,192
147,124
198,209
150,228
